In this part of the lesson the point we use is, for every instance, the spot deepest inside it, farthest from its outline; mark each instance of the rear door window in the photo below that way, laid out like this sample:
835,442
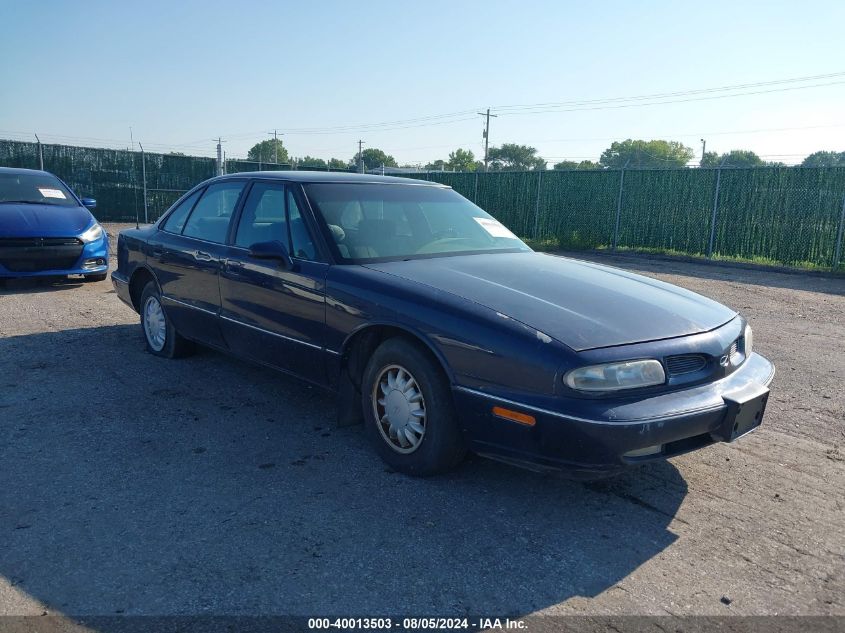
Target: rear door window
210,218
175,222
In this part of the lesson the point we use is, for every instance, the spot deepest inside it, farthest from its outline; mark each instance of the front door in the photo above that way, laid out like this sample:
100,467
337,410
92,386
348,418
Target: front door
269,312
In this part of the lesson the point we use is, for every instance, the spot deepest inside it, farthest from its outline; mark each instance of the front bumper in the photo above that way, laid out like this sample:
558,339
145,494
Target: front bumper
598,440
85,264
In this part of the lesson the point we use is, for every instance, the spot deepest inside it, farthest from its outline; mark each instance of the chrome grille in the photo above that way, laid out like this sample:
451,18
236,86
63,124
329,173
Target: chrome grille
734,350
685,363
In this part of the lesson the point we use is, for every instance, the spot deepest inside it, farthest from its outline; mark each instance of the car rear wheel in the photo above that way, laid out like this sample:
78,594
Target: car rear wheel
160,336
409,412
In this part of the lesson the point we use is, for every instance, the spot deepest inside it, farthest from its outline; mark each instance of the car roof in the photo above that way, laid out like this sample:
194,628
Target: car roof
23,171
304,176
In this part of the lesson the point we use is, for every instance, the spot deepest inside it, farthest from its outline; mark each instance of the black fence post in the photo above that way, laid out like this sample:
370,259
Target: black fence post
537,205
619,205
838,252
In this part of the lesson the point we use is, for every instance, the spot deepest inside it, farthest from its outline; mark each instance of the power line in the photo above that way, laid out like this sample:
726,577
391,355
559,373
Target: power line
662,95
653,103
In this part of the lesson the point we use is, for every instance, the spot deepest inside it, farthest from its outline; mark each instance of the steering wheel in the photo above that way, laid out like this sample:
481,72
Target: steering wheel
445,234
434,245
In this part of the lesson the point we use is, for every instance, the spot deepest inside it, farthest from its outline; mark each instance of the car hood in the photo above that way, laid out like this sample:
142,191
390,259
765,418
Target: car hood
581,304
43,220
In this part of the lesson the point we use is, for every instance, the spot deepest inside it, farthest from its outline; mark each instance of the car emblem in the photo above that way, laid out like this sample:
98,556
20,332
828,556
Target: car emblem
725,360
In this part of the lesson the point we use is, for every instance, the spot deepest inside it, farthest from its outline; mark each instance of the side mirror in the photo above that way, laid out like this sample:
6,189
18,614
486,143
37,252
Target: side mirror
271,250
89,203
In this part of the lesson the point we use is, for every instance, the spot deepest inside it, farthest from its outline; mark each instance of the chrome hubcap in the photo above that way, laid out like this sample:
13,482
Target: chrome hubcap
399,407
155,327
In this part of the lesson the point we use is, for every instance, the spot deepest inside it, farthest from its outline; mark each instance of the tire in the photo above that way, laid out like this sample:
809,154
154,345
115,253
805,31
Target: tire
160,337
101,277
400,381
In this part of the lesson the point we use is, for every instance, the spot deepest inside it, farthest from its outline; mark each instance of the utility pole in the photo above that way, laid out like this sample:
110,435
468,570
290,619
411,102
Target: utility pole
360,156
144,176
275,146
219,156
40,154
486,135
703,148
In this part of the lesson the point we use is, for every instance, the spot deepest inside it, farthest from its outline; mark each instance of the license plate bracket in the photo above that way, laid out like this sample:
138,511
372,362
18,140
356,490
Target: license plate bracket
745,411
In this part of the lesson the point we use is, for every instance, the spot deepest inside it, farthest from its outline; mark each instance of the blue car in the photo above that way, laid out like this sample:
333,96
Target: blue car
438,328
46,231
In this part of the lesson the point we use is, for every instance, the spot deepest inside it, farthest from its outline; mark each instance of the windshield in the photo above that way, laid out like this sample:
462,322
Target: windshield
377,222
34,188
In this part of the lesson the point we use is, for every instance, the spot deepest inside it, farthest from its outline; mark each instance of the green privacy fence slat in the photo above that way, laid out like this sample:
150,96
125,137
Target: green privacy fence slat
113,177
786,215
782,215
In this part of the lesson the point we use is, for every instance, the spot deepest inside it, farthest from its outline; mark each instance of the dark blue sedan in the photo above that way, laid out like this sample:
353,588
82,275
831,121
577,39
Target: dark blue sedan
438,327
46,231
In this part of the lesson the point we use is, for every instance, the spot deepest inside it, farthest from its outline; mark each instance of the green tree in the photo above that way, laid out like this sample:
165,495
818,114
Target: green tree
309,162
742,158
571,164
337,164
638,153
588,164
734,158
267,151
513,157
437,165
710,159
824,159
373,157
462,160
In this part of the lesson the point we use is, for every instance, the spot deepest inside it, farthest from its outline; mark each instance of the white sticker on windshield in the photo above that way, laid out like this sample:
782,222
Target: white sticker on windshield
53,193
495,228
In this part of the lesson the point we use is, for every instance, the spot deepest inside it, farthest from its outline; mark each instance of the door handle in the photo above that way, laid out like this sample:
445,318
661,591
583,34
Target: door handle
202,256
233,265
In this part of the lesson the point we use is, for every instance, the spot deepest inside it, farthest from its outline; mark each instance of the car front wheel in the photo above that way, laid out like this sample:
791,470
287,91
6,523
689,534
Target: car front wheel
409,411
161,337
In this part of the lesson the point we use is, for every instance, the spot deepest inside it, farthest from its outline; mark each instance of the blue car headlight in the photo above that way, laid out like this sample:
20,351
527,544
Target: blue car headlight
615,376
92,234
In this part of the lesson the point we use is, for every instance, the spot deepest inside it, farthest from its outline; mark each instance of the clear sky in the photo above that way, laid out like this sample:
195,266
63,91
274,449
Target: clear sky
181,73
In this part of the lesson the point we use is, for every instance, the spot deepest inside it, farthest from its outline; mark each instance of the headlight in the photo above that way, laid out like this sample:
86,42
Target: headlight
615,376
92,234
748,345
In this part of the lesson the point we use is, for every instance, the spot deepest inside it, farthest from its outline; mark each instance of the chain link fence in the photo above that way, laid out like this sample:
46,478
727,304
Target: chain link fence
774,215
126,184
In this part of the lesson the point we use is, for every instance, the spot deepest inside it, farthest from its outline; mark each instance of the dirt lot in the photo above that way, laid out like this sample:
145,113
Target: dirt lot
136,485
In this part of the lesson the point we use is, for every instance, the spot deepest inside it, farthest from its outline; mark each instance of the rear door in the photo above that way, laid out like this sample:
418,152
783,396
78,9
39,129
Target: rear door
270,313
187,255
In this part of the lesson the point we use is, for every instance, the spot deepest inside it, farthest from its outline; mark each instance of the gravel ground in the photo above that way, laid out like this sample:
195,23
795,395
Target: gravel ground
136,485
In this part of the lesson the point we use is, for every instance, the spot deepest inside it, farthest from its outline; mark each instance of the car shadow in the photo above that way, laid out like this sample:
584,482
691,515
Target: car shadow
138,485
31,285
